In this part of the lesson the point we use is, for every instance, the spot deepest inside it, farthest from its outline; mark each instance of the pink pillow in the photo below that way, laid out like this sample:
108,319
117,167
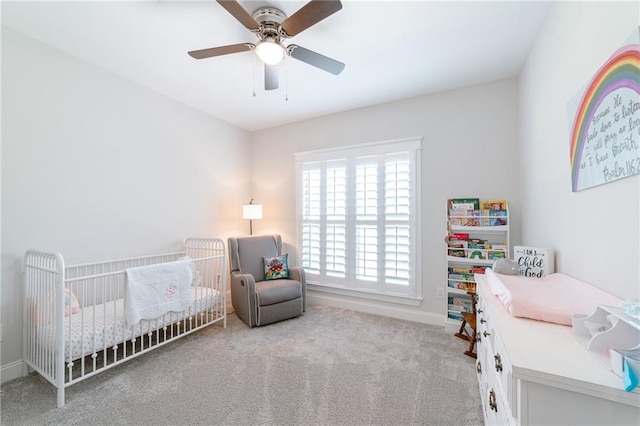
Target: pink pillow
71,305
553,298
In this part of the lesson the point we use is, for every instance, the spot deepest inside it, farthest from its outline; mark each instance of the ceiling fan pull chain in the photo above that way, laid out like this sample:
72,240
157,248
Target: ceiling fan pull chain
254,74
286,82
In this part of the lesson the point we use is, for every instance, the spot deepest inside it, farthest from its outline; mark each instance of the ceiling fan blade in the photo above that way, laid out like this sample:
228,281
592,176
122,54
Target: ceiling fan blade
239,12
271,77
222,50
310,14
317,60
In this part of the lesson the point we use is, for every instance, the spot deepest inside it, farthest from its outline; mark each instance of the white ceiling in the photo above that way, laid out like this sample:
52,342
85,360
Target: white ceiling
392,50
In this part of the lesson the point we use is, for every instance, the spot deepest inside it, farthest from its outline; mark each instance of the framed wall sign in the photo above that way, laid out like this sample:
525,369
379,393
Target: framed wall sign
534,261
605,121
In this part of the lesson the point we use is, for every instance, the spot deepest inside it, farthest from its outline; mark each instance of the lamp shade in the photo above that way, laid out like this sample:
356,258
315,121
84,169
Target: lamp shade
252,211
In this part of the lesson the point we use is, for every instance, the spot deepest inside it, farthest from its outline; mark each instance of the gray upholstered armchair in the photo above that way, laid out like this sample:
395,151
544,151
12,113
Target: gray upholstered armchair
258,301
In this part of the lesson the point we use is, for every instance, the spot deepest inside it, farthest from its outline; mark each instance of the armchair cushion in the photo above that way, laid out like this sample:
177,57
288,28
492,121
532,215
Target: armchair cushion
276,291
247,254
276,267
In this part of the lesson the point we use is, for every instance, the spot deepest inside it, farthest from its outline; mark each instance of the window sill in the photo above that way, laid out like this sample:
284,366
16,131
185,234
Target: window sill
365,294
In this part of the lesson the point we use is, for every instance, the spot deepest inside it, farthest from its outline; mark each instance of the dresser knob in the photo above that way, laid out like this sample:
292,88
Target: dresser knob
478,367
482,320
478,338
492,401
485,334
498,360
480,311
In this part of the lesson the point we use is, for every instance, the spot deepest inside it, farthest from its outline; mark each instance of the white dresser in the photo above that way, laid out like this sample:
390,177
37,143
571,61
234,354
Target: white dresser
537,373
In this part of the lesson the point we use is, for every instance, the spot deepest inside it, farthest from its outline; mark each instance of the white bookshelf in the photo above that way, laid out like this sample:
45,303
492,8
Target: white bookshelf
478,227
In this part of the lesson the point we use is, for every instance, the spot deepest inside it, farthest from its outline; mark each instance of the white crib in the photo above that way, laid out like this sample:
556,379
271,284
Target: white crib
66,347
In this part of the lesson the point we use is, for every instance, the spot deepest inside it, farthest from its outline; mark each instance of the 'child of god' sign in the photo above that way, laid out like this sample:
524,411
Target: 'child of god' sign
534,261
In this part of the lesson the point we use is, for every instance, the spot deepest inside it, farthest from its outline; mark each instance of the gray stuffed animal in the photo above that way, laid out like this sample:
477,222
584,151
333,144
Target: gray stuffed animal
506,267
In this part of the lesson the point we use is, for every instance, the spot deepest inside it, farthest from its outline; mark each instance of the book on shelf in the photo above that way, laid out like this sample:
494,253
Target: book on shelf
455,284
460,304
464,204
477,244
459,270
498,246
473,218
455,316
457,217
462,285
493,204
458,236
477,254
478,269
457,248
460,273
485,220
461,277
497,217
496,254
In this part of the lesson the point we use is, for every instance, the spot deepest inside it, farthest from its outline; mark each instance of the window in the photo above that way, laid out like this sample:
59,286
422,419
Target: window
358,218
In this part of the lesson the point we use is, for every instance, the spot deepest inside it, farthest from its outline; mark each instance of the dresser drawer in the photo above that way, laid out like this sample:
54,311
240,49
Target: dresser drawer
494,371
495,406
484,323
503,373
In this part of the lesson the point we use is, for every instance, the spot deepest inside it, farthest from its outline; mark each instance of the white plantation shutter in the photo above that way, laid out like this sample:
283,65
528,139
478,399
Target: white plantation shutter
366,252
366,217
336,250
336,215
311,201
358,217
397,203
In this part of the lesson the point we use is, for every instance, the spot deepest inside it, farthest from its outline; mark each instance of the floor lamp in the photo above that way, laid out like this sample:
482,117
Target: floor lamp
251,211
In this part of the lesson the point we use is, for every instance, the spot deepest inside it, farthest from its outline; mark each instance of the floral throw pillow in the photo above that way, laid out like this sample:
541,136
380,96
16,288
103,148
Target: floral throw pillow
276,267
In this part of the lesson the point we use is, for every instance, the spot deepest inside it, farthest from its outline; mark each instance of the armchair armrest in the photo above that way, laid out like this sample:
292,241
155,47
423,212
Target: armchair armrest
243,287
297,273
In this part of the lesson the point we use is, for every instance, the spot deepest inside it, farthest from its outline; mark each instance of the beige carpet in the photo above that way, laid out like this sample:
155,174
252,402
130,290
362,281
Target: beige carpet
328,367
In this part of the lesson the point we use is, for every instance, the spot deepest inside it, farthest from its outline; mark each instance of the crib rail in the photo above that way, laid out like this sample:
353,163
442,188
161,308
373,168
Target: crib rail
43,304
66,347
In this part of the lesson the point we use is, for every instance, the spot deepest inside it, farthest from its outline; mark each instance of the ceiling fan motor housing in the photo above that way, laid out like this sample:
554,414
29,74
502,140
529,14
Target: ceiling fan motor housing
270,19
266,14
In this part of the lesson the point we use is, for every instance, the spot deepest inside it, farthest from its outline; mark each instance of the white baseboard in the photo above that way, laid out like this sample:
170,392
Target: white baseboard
11,371
368,307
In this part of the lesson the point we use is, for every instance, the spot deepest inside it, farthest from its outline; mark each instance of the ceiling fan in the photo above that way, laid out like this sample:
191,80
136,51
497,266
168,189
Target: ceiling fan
272,27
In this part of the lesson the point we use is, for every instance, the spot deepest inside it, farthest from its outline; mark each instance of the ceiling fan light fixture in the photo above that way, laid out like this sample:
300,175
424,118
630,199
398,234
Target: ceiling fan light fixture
270,52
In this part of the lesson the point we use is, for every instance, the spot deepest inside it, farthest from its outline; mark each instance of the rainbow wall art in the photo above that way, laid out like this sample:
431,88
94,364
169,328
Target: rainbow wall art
605,135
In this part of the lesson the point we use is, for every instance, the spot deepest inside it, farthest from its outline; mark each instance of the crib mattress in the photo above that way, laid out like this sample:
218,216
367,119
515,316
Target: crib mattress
105,325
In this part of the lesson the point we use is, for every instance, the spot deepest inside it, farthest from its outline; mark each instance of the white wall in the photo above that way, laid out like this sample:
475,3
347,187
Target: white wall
595,232
98,168
470,148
